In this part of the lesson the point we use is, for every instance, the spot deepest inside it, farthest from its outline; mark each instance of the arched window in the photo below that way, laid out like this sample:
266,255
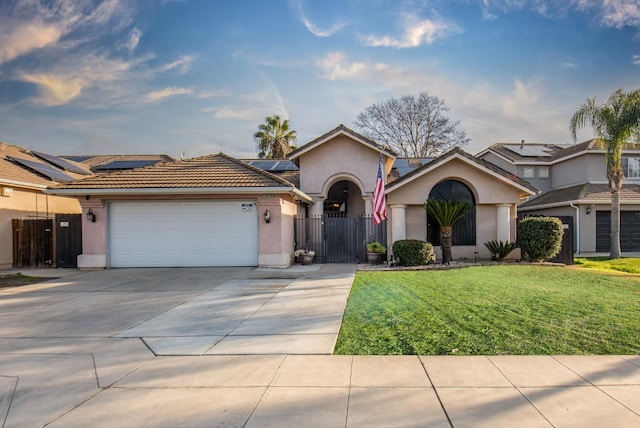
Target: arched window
464,231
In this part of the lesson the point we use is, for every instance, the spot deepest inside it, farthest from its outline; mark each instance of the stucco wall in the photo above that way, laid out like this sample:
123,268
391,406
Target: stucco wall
338,159
275,240
488,192
27,203
578,170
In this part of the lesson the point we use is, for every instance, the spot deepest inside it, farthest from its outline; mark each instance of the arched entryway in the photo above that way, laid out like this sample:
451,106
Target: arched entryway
464,231
344,199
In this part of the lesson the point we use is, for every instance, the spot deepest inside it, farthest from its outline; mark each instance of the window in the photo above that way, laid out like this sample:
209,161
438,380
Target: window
464,231
631,167
543,172
529,172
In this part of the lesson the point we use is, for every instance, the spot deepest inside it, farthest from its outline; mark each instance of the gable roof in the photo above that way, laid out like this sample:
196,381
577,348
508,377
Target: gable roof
581,193
457,153
554,152
211,174
23,168
340,130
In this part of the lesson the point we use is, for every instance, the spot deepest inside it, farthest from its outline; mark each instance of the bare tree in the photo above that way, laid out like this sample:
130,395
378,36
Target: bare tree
412,126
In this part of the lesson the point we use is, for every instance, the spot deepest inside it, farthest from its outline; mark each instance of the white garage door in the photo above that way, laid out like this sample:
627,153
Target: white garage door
186,233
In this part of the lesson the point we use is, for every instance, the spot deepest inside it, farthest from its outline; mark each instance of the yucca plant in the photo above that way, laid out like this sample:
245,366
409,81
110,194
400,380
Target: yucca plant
500,249
446,214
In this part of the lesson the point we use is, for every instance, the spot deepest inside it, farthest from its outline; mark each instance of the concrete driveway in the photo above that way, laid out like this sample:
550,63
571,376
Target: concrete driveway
249,348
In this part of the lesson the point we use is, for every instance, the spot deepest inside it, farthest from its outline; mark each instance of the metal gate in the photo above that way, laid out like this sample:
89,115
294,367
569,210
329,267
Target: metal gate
339,239
68,239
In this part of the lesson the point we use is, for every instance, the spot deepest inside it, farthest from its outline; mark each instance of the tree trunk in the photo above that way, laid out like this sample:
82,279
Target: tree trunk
445,243
615,184
615,226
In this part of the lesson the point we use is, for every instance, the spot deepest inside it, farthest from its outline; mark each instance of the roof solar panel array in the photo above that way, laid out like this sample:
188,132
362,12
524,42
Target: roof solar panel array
61,163
529,151
44,169
125,164
274,165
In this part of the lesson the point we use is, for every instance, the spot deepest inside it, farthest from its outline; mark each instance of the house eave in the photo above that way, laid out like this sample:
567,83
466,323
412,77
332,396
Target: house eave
184,190
22,184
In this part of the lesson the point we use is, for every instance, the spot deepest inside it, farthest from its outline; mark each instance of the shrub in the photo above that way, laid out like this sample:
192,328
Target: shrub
541,237
500,249
376,247
413,252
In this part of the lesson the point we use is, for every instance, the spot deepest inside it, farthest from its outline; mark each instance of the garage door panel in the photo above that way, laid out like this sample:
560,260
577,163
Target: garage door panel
221,233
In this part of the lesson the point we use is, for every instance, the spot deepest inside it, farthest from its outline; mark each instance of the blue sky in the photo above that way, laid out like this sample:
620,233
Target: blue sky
199,76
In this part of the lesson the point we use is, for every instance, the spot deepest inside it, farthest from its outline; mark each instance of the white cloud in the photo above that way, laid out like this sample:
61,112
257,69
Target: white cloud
214,94
20,38
65,81
336,66
317,31
55,90
155,96
134,39
613,13
182,64
636,59
415,33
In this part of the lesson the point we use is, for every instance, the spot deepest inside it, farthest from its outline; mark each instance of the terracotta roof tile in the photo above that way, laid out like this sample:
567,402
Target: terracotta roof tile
211,171
582,192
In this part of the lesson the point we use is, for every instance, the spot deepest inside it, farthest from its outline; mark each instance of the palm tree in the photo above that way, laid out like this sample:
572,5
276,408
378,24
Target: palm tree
615,123
446,214
273,138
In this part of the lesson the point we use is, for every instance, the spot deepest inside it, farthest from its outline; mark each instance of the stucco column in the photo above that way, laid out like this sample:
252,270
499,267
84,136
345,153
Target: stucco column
398,222
368,209
317,208
503,222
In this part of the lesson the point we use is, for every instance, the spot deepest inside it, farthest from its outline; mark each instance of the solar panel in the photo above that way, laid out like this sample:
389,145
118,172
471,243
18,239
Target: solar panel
529,151
126,164
44,169
78,158
61,163
273,165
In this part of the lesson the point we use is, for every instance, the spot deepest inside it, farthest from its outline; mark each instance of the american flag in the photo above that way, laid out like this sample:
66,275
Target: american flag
379,199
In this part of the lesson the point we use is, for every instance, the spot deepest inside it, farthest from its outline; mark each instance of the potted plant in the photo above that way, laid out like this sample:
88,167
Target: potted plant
304,256
375,252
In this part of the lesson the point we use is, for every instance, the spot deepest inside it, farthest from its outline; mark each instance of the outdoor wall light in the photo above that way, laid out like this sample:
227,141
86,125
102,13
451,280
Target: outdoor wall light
267,216
588,210
91,216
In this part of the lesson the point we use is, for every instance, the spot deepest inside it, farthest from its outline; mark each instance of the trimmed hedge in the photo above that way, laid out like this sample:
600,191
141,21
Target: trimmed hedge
413,252
541,237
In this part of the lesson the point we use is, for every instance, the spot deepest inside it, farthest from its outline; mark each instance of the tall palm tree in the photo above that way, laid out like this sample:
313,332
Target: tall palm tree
615,123
446,214
274,138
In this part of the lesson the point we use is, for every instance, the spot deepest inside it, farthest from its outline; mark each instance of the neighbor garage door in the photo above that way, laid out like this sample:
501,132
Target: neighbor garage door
173,234
629,231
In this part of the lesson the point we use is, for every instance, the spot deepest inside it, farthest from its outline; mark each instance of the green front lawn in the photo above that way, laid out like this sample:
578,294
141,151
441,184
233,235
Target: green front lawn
625,264
491,310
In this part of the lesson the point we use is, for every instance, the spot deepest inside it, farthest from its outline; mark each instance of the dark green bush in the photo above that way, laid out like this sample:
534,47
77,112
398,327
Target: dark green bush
500,249
413,252
541,237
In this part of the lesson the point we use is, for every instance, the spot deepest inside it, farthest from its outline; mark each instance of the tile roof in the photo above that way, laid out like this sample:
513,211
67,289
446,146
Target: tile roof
211,171
583,193
340,129
556,151
15,172
481,162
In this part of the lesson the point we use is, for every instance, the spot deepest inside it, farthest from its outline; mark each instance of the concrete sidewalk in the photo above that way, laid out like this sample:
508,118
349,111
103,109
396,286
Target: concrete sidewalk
250,347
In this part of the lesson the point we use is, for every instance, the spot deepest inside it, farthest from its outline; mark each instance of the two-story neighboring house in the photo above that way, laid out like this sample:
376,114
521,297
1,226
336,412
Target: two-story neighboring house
573,182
